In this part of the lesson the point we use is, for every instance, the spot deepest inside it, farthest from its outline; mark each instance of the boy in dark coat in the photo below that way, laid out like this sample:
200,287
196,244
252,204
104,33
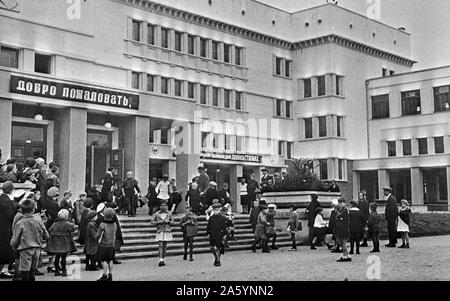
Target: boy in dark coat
311,212
342,227
374,227
216,229
87,206
91,241
7,213
356,226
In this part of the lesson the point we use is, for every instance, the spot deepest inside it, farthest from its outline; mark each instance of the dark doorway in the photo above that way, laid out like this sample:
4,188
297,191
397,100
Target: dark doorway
28,140
98,156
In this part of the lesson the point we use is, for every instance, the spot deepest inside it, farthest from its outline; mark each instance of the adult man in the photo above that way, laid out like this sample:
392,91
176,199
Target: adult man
203,180
224,195
265,179
152,197
391,214
130,191
6,219
107,184
210,194
363,206
311,212
334,187
252,186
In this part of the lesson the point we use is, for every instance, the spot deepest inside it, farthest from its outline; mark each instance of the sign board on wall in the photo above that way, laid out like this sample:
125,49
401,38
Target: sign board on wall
231,157
69,92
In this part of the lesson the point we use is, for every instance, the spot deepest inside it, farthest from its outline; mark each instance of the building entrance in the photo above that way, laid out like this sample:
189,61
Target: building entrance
98,156
28,140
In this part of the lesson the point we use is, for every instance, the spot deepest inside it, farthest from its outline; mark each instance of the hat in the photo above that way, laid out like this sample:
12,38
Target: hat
27,204
30,195
334,202
91,214
100,207
63,214
272,206
53,192
88,203
67,192
8,187
82,194
165,176
264,169
40,162
213,183
257,191
109,214
200,168
263,206
403,201
217,205
342,200
387,188
112,205
262,202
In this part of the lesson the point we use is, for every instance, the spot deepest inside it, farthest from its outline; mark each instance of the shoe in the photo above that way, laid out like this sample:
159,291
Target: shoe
253,249
407,246
375,251
351,253
363,245
185,257
64,273
390,246
117,262
313,248
109,277
161,263
6,275
336,251
217,264
266,251
191,259
348,259
292,249
274,248
357,253
103,278
50,270
329,246
38,273
58,273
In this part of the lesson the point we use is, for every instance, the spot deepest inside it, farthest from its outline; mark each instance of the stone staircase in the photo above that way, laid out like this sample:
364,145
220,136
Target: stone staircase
139,236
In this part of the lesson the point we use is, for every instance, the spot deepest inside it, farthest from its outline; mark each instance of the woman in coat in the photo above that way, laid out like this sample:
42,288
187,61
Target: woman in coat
342,229
6,220
261,229
163,219
193,199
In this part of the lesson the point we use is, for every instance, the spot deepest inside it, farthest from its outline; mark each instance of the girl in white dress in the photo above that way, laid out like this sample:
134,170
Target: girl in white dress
403,224
163,219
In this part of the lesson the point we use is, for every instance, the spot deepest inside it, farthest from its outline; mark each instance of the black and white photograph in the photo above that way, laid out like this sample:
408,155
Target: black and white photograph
233,142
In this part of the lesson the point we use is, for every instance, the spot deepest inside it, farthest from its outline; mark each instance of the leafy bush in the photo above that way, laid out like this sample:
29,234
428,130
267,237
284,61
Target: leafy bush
301,177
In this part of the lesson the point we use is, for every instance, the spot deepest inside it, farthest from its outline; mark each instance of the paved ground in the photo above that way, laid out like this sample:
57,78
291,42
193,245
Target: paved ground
428,259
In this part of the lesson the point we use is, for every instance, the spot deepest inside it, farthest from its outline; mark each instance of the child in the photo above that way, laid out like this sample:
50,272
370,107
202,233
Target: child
163,219
332,227
87,205
91,241
374,227
189,228
106,234
66,203
78,207
342,225
271,233
216,229
226,211
61,241
28,236
403,224
319,229
210,211
356,226
293,226
261,230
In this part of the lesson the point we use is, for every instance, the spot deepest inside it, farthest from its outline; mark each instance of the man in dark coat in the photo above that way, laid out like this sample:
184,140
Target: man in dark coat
6,219
107,184
203,180
265,179
334,187
130,189
363,206
224,195
311,212
252,186
210,194
391,214
152,196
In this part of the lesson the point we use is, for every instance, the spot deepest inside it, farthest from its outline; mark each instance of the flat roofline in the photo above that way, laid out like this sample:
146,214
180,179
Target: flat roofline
407,73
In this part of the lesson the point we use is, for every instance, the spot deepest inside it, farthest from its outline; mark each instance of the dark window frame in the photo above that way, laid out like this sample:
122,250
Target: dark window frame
380,106
6,61
441,98
422,144
392,148
411,101
308,128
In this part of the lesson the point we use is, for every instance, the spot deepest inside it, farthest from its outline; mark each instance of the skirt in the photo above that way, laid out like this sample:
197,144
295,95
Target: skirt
164,236
402,226
105,253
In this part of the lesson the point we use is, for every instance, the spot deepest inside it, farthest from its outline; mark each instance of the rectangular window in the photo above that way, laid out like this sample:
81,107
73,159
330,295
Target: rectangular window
135,80
205,139
407,151
136,30
239,143
339,123
423,146
9,57
280,148
165,136
323,167
227,53
227,98
150,83
439,145
278,65
238,105
203,47
42,63
191,90
215,50
339,81
391,72
322,126
307,87
178,41
216,140
287,68
151,34
164,85
191,44
411,103
228,142
203,94
278,109
164,38
308,128
380,106
289,149
238,56
216,97
385,72
152,136
321,85
288,109
178,88
341,169
442,98
392,148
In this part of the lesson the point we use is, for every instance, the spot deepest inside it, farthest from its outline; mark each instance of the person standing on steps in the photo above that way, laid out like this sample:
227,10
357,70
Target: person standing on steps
189,227
261,230
163,219
252,187
391,215
271,233
131,191
311,212
107,185
216,229
243,194
203,180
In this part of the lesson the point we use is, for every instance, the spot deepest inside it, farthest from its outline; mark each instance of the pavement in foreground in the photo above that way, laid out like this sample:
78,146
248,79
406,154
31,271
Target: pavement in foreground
427,259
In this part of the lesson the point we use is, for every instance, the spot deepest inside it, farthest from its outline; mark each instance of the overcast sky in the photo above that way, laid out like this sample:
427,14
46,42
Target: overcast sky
427,21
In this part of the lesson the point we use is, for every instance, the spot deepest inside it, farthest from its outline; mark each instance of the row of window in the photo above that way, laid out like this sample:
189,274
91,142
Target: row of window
206,48
411,102
283,108
317,86
321,125
283,67
9,57
422,146
339,165
207,95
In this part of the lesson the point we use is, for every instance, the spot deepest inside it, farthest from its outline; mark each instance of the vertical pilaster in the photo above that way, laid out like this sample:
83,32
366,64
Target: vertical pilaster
417,186
5,128
383,181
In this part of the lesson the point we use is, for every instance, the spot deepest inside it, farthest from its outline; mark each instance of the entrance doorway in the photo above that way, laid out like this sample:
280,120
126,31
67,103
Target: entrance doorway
28,140
218,173
98,156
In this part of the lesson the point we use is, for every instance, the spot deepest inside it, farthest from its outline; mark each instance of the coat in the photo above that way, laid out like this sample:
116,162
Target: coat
91,239
261,226
194,199
311,212
224,196
356,221
217,227
391,211
253,219
52,208
332,221
61,240
373,223
203,182
270,217
404,215
210,195
363,206
29,232
6,220
162,225
105,194
82,226
342,224
119,236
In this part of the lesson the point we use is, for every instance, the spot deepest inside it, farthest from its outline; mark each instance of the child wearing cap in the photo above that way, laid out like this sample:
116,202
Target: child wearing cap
210,211
60,242
403,224
87,206
294,225
216,229
373,223
28,237
189,228
106,235
66,203
78,207
342,227
91,241
357,223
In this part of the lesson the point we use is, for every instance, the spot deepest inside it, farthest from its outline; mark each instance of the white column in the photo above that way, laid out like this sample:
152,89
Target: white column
383,181
417,186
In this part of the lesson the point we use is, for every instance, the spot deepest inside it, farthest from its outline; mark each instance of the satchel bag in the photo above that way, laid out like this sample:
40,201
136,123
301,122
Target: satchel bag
191,230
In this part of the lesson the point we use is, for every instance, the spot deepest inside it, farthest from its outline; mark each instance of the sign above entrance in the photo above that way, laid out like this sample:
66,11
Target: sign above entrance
231,157
84,94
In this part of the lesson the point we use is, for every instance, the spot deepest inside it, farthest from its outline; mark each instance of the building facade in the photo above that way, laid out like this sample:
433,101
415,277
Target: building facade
165,86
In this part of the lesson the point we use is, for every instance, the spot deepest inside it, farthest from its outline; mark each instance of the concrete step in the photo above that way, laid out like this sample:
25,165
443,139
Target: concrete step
152,234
